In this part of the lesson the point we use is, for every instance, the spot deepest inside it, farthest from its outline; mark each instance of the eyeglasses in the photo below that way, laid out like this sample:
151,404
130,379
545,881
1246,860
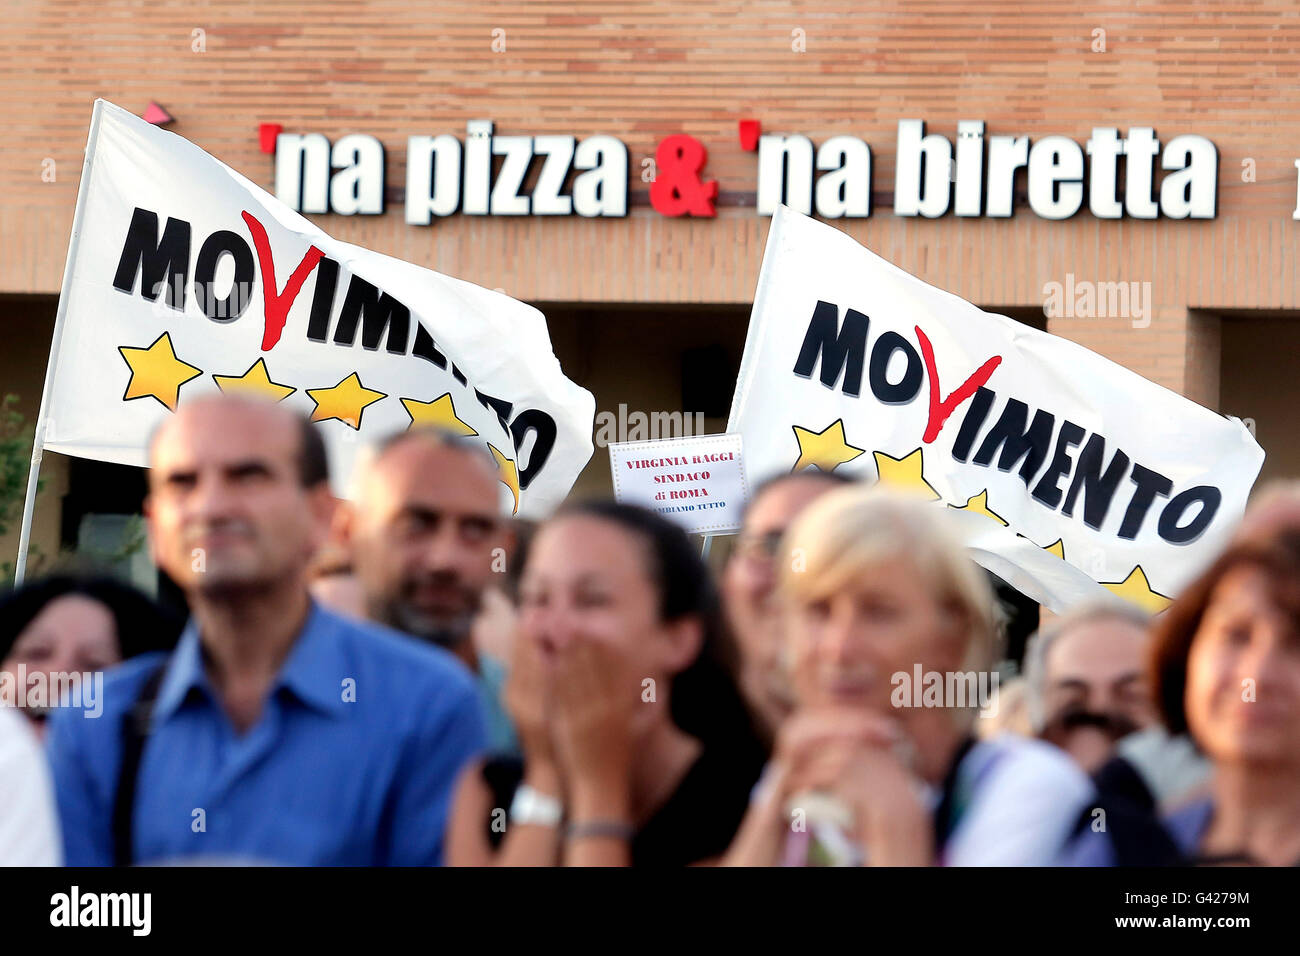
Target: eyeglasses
760,547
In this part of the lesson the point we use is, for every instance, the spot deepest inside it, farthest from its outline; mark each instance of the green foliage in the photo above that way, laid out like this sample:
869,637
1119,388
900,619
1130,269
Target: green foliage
15,458
134,539
16,438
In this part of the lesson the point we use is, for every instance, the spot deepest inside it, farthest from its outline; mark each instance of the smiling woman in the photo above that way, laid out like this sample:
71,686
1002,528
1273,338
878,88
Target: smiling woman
638,749
874,588
64,625
1226,664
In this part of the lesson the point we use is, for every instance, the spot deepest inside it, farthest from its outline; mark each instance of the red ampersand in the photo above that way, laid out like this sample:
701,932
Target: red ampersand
677,189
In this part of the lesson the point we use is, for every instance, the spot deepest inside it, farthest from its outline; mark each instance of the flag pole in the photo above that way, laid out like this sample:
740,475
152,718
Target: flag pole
38,441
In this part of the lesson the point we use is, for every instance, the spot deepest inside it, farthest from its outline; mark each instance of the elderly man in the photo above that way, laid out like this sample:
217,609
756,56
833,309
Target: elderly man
1087,681
428,542
277,731
1089,693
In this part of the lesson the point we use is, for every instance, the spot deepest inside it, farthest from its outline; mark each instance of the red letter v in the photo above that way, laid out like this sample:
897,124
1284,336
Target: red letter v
276,305
940,410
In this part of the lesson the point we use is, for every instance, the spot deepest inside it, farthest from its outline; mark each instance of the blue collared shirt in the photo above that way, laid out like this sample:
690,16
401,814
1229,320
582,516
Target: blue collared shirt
353,760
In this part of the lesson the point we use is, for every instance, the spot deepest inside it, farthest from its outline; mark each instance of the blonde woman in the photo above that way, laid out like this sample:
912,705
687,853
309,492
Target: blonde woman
872,768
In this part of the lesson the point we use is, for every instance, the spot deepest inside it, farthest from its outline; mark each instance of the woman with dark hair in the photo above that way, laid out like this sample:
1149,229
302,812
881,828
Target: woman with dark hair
65,625
637,747
1226,667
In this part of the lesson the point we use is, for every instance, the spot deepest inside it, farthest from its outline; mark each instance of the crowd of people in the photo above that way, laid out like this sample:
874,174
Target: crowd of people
407,677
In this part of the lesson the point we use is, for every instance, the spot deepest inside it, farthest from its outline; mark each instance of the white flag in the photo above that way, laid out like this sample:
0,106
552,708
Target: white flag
185,278
1082,474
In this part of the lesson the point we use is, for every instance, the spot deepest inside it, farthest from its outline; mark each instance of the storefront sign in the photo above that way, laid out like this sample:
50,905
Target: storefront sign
558,175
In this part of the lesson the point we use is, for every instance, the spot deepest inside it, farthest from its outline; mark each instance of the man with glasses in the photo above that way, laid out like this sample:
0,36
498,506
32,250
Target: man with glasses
749,581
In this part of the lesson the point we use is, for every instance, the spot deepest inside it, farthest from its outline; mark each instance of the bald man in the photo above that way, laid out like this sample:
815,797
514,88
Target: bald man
277,731
428,540
1087,681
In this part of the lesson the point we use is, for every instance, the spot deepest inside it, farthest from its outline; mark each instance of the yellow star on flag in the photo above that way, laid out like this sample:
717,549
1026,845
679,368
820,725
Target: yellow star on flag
509,474
440,412
1057,547
1137,589
980,505
826,449
905,473
156,372
344,401
256,382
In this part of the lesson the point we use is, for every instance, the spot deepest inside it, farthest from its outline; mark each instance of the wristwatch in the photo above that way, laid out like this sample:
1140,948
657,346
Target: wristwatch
532,807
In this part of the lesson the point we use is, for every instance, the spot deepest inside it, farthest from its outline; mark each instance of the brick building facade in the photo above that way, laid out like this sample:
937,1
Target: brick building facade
635,301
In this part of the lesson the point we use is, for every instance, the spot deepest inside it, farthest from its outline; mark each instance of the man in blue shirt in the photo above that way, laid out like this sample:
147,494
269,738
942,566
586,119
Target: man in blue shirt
281,733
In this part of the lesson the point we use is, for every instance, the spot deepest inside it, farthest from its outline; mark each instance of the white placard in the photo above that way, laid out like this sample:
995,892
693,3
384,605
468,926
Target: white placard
697,482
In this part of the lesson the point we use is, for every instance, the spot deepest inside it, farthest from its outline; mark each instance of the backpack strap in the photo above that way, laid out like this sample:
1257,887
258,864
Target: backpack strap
135,732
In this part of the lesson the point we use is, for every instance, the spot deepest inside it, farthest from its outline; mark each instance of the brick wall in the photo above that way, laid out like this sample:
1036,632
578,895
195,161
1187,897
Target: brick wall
641,71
